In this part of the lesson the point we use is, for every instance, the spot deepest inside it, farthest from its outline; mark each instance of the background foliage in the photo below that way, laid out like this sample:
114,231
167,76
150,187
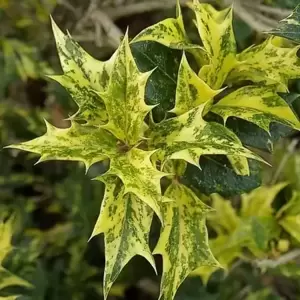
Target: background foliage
47,211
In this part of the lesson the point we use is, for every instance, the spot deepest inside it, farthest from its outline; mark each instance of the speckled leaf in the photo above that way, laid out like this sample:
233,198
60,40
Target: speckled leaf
169,32
191,91
139,176
183,242
125,221
267,63
217,176
259,201
77,143
124,97
216,31
83,75
161,86
289,27
188,137
260,105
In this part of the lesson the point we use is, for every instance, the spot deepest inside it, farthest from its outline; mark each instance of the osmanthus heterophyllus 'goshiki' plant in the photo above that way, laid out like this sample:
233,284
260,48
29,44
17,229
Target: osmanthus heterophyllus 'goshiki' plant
147,155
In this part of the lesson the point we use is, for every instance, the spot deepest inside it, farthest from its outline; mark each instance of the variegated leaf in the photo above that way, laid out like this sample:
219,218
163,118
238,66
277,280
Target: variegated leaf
191,91
289,27
169,32
259,202
260,105
188,137
267,63
216,31
125,221
124,97
139,176
183,242
83,76
77,143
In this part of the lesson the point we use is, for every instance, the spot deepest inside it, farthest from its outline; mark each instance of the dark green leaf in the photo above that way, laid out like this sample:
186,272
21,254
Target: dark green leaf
217,176
161,86
289,27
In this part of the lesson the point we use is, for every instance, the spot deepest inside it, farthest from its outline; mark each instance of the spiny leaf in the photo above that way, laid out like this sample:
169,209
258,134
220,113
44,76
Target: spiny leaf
169,32
217,176
161,86
124,97
267,63
289,27
216,31
260,105
188,137
259,202
77,143
139,176
83,75
183,242
125,221
191,91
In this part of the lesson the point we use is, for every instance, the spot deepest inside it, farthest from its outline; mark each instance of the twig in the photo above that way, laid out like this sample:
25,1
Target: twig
283,259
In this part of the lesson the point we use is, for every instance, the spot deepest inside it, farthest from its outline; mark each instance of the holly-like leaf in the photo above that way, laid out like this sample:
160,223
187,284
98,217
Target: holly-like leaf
217,176
216,31
161,86
139,176
259,202
124,97
289,27
267,63
188,137
191,90
260,105
169,32
125,221
77,143
183,242
83,76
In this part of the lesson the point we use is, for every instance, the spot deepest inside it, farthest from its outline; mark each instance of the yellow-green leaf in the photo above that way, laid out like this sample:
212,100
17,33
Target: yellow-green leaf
224,218
139,176
77,143
259,202
183,242
169,32
260,105
83,76
124,97
125,221
191,90
291,224
216,31
8,279
188,137
267,63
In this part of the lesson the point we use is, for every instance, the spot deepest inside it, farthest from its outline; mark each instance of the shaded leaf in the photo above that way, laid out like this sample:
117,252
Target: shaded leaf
289,27
217,176
161,86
